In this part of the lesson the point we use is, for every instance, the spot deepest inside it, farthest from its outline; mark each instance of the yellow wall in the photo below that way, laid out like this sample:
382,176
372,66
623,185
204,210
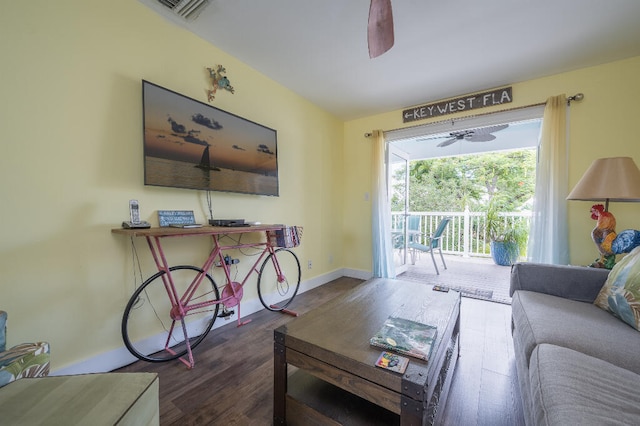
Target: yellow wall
71,114
602,125
72,158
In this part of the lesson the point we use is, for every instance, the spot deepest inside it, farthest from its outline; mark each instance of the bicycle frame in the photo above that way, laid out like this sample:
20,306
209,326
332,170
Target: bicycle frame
231,295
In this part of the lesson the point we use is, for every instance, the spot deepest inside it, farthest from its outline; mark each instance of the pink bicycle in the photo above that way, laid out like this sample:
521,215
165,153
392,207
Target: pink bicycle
173,311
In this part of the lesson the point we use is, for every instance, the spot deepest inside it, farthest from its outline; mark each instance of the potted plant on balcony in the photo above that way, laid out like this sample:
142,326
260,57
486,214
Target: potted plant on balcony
506,241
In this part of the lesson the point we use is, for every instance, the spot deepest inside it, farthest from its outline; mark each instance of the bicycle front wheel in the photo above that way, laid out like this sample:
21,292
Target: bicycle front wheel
152,328
279,279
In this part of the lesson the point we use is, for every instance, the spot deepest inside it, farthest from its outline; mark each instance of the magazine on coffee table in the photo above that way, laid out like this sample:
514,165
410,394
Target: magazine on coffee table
406,337
393,362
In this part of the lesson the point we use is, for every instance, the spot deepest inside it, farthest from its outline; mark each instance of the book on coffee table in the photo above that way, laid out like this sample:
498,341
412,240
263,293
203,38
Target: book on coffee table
406,337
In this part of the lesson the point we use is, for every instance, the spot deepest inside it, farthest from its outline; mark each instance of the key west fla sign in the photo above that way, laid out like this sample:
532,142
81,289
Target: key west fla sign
464,103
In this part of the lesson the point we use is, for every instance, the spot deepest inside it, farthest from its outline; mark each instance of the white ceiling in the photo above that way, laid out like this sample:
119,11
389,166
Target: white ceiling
443,49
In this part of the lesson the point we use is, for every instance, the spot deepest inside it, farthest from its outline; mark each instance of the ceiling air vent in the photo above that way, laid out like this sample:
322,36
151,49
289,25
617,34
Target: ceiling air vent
188,9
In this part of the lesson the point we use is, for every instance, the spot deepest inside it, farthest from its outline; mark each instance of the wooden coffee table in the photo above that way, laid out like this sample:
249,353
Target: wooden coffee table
335,381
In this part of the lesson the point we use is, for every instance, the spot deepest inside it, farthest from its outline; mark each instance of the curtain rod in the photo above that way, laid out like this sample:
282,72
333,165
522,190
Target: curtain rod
577,97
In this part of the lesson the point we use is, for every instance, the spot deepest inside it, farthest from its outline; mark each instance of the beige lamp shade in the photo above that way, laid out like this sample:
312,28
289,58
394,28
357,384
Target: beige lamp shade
609,179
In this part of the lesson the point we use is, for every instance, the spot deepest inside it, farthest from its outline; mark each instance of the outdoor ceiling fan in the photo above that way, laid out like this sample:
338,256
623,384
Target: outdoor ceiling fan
482,134
380,27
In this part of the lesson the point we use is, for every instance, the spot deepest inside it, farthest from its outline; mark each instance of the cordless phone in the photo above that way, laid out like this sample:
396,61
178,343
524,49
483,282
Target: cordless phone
134,215
134,211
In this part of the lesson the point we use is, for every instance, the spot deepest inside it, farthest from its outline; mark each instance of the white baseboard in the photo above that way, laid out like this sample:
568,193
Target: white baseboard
114,359
356,273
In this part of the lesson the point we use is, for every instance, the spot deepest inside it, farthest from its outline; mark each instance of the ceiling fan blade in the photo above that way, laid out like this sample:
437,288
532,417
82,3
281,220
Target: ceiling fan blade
498,128
431,138
380,27
484,134
490,129
447,142
481,138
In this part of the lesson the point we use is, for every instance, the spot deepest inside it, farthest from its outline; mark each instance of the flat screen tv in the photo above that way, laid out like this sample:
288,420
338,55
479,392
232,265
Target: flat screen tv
190,144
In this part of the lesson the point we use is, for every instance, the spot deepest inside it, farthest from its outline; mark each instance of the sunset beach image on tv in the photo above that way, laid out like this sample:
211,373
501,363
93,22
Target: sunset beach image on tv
190,144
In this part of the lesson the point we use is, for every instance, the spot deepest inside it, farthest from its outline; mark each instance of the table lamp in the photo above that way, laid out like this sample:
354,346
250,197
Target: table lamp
609,179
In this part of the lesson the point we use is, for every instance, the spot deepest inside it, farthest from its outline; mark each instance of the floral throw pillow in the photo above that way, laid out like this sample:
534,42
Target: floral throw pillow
620,294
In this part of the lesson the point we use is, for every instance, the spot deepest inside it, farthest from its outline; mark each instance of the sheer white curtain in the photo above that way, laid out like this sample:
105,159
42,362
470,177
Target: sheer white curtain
382,260
548,237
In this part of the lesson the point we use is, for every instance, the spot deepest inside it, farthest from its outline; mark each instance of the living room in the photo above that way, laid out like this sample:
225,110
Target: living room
73,159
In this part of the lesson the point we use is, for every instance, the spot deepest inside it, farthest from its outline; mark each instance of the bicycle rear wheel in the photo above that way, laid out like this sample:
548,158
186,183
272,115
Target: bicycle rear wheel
276,290
148,329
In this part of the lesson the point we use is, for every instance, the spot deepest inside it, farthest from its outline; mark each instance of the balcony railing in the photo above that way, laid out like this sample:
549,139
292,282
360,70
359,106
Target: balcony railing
465,234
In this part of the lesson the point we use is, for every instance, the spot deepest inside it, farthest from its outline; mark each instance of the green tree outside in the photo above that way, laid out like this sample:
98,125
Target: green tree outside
449,184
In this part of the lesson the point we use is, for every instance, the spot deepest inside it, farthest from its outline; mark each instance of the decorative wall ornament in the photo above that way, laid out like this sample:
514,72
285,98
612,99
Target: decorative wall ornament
218,81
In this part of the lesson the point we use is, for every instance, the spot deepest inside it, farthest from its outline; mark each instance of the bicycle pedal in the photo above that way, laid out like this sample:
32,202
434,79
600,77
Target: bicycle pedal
226,314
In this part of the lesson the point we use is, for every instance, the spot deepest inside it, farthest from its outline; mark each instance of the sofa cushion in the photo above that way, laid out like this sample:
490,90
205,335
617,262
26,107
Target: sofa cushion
571,388
620,294
24,360
541,318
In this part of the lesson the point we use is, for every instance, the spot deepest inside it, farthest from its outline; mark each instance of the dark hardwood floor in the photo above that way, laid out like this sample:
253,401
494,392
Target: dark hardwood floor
232,381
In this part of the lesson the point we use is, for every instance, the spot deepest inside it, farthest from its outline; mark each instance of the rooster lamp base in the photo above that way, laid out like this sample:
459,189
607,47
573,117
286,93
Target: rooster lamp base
609,243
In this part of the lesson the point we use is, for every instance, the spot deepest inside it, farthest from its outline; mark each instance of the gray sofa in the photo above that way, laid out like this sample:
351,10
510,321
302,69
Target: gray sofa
576,363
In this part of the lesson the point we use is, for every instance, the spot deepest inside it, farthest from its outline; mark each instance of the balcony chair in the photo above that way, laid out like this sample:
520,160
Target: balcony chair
24,360
413,235
432,241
